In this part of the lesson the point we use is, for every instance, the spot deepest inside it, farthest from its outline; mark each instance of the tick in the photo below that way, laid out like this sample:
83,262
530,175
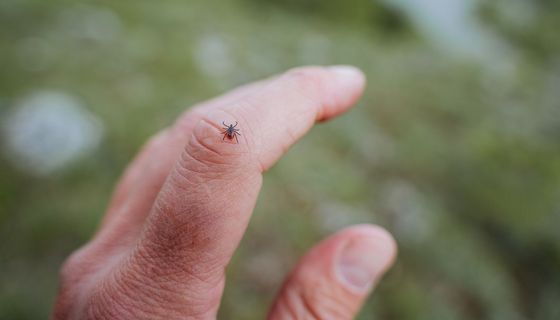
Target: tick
230,132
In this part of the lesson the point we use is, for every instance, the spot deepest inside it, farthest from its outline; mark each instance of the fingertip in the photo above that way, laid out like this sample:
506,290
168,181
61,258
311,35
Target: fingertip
382,237
349,76
335,277
348,86
332,89
365,255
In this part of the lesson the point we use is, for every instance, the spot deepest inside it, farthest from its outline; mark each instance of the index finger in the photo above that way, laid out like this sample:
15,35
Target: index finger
278,115
204,206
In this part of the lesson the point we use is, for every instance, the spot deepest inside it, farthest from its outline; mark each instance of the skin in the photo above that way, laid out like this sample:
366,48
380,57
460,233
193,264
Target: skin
172,226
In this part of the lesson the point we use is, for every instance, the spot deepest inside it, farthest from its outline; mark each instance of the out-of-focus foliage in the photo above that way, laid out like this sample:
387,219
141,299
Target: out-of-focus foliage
455,151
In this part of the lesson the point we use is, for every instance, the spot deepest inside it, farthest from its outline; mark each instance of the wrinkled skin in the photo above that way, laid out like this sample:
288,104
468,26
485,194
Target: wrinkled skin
172,227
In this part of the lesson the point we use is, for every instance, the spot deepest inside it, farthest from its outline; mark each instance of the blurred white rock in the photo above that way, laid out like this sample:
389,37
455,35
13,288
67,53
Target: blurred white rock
48,130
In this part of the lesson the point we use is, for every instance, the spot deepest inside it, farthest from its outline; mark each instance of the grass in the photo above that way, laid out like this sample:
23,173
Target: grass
459,160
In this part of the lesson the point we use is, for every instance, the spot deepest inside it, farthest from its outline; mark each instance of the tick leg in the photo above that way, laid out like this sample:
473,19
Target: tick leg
225,125
235,124
224,138
236,139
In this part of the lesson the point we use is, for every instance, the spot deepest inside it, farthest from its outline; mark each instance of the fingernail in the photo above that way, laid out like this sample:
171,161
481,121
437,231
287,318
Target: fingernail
361,262
348,75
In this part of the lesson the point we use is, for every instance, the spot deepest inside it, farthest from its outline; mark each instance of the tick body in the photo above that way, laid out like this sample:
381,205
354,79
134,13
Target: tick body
230,132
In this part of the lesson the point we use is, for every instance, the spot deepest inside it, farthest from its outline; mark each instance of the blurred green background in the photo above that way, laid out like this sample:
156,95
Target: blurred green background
454,148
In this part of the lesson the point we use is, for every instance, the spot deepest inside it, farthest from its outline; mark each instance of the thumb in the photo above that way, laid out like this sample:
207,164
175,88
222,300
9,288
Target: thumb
336,276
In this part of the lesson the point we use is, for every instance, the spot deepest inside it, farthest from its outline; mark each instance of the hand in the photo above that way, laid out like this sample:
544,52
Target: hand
174,222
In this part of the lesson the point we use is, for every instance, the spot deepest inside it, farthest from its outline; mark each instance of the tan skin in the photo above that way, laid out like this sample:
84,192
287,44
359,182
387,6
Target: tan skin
166,240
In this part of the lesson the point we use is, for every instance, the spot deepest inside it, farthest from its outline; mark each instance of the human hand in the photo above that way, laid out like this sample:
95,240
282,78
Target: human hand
182,206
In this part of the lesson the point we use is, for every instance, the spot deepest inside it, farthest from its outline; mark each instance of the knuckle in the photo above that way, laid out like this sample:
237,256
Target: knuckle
186,122
71,275
72,267
209,152
66,270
